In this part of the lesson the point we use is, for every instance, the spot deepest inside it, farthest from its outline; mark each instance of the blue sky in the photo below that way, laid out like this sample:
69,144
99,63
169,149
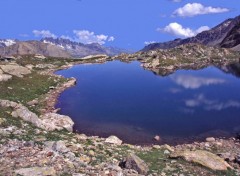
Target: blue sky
121,23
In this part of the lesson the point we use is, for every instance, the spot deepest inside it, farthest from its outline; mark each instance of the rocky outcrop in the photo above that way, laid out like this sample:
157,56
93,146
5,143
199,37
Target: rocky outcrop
77,49
49,122
203,158
193,56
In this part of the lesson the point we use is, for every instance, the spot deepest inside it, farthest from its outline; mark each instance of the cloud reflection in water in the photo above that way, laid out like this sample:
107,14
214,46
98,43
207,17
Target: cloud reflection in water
208,104
194,82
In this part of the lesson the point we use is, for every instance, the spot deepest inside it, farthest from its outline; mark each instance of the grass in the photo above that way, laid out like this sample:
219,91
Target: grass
27,88
155,160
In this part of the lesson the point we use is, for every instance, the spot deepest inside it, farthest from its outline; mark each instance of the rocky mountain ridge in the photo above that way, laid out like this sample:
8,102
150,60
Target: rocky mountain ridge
224,35
55,47
77,49
32,48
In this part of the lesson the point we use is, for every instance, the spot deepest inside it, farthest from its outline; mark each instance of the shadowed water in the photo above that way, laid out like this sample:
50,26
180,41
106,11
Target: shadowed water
125,100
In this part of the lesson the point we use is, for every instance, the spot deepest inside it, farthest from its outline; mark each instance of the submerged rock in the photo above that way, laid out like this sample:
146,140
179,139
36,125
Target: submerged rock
157,138
203,158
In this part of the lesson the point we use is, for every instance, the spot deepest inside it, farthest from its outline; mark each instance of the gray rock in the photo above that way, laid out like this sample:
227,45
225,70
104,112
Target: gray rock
203,158
113,140
5,77
135,163
53,121
210,139
157,138
166,152
50,121
32,103
60,146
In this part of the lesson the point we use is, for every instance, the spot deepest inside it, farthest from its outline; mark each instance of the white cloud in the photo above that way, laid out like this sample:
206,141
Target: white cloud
208,104
177,29
43,33
201,29
193,82
66,37
87,37
193,9
149,42
111,39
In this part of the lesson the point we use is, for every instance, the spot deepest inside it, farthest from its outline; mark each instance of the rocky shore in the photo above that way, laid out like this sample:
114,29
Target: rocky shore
35,140
191,56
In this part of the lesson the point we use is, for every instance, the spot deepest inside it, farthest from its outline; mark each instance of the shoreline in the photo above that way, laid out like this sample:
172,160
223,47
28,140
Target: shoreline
33,139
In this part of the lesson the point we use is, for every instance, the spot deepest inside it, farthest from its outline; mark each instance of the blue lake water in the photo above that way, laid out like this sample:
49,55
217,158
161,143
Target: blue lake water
123,99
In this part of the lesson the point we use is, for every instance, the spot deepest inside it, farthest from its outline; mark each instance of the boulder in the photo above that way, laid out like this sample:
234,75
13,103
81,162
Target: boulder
169,148
5,77
113,140
53,121
210,139
157,138
32,103
203,158
49,122
60,146
135,163
36,171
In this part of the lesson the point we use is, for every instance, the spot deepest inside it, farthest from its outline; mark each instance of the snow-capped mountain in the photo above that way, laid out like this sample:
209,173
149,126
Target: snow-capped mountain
7,42
77,49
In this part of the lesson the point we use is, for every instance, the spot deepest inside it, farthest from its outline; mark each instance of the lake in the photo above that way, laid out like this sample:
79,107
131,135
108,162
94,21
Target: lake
134,104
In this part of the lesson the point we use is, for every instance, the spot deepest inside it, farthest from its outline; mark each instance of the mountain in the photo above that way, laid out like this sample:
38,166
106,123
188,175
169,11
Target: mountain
55,47
77,49
32,47
224,35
